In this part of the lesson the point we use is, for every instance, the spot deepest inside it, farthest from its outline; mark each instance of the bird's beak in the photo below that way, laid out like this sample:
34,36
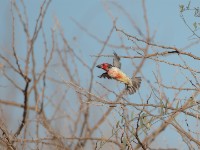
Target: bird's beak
98,66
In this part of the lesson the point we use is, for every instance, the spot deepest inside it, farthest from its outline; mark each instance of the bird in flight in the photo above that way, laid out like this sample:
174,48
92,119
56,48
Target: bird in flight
114,72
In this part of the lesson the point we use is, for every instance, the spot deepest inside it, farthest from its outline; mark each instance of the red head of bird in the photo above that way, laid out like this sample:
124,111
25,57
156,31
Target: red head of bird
105,66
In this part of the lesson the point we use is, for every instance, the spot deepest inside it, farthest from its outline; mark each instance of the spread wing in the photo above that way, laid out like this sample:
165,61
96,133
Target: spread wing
105,75
116,61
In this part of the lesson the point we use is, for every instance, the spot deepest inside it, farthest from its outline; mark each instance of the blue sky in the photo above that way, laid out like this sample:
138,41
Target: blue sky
164,20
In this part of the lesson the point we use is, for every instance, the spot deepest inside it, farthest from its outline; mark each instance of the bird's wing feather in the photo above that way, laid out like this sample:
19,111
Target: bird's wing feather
116,61
105,75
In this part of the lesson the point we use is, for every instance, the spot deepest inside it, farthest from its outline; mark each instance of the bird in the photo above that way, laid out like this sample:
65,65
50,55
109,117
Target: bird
113,71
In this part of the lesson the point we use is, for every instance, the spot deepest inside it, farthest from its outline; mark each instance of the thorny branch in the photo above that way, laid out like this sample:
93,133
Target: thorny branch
69,110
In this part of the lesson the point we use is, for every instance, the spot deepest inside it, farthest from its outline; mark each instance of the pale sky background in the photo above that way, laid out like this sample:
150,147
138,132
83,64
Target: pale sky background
163,16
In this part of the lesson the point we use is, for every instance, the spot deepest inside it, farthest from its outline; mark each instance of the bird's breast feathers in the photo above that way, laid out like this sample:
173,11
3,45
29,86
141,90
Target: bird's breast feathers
118,75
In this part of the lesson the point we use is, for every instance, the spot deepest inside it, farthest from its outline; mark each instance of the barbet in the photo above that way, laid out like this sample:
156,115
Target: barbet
114,72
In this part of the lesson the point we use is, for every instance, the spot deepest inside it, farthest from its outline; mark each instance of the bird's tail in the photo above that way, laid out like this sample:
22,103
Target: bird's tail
136,81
